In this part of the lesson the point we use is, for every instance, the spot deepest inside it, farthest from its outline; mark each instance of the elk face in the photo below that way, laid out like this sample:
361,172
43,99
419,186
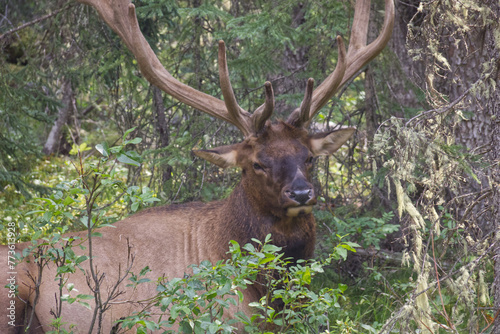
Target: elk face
277,168
275,165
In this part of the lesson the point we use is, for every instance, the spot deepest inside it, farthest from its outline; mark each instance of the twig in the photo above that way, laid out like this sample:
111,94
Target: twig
38,283
27,24
389,325
492,322
445,314
92,106
488,193
445,108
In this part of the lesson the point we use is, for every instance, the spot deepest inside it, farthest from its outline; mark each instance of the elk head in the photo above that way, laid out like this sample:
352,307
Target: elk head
275,157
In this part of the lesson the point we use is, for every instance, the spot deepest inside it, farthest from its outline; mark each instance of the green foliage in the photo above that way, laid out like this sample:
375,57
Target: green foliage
420,164
66,208
20,118
200,302
71,207
368,231
414,162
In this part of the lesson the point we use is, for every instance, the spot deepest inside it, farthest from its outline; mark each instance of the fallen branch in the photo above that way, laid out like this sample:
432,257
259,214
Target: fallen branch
394,258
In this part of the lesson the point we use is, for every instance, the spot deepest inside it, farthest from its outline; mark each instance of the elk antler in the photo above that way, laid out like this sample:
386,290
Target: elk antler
357,57
263,113
121,17
257,120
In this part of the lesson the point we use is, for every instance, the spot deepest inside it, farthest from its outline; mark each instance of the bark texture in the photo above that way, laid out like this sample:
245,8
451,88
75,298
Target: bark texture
462,61
455,55
293,61
478,131
53,140
162,129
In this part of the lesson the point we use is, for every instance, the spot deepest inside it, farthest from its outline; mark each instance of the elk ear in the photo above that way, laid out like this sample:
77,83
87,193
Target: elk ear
222,156
326,143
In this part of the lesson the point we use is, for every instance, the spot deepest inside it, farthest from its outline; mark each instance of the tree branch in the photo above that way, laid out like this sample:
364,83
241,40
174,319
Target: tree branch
27,24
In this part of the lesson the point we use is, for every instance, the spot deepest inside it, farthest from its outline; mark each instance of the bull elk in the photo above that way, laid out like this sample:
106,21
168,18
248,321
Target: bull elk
274,195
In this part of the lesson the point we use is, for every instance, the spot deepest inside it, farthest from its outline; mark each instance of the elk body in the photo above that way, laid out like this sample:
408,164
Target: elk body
274,195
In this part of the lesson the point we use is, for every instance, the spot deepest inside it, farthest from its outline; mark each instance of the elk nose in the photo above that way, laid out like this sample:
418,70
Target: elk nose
300,196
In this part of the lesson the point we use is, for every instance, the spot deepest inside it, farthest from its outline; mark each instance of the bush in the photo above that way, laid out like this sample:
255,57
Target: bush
199,302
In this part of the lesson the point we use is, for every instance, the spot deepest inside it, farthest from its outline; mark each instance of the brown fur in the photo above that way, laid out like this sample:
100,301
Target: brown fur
169,238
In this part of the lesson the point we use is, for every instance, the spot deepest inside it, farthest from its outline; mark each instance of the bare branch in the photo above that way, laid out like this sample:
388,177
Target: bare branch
27,24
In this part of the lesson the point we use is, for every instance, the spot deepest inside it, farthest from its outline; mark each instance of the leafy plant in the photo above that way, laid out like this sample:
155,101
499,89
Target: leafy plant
368,231
200,302
73,207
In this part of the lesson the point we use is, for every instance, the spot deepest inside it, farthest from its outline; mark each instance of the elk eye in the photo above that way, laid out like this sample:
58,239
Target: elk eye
256,166
309,160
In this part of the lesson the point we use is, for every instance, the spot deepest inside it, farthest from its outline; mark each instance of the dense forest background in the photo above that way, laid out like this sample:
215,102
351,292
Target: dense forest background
417,188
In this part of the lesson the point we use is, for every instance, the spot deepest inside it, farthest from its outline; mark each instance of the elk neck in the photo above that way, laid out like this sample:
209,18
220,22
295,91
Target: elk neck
251,219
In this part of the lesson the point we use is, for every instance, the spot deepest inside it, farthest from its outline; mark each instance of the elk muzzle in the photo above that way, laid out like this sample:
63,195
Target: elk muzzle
299,198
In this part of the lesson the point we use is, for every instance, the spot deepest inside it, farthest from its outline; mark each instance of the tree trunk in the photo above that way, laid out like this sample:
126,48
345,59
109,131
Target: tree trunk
293,61
461,48
162,129
480,134
455,54
53,140
481,112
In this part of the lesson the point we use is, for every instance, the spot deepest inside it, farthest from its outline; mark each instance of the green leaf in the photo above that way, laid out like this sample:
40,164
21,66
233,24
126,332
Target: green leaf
85,221
83,296
68,200
342,252
128,132
136,140
85,304
47,215
306,276
116,149
267,260
126,160
80,259
151,325
103,149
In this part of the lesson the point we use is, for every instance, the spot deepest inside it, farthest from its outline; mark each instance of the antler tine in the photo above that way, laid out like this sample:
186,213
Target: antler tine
358,55
121,17
236,112
305,106
300,116
264,112
330,85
